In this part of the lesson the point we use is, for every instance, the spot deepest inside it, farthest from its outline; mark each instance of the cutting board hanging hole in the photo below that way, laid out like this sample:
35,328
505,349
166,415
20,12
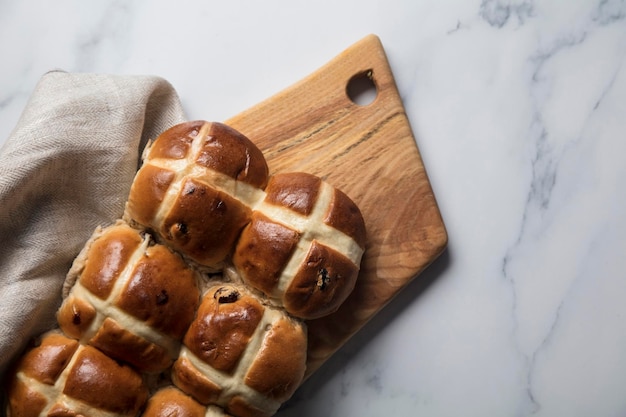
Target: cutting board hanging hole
361,88
313,126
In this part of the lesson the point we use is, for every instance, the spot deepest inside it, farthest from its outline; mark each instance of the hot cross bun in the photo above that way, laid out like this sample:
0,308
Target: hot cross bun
132,299
195,302
303,246
196,187
61,377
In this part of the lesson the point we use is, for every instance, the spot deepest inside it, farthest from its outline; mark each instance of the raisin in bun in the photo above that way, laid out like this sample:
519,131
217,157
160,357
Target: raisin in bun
170,401
60,377
132,299
241,355
303,247
196,187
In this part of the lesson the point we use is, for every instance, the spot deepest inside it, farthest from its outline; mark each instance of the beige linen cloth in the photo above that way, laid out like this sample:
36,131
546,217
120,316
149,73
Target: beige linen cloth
65,169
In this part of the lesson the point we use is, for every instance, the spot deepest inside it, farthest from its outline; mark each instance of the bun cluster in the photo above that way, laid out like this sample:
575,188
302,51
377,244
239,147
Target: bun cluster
195,302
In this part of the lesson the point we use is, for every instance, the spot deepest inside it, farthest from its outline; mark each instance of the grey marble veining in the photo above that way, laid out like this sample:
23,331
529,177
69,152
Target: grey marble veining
519,111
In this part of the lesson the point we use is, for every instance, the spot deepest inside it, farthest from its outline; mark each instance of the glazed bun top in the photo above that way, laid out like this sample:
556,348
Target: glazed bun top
240,354
303,246
215,146
61,377
132,298
196,188
170,401
145,302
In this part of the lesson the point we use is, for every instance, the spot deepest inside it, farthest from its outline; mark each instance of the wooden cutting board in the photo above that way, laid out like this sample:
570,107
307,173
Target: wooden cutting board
369,152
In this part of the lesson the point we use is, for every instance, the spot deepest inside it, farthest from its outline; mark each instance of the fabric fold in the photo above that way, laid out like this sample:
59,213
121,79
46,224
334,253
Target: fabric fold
66,168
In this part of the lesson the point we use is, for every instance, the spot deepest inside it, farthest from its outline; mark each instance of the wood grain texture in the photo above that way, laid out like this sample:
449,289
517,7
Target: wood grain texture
369,152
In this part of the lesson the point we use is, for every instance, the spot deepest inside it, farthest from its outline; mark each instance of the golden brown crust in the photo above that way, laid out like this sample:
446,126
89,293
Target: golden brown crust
230,152
67,378
268,356
189,379
303,246
175,142
240,407
154,182
344,215
103,383
106,259
296,191
123,345
225,322
170,401
151,298
46,361
203,223
188,189
75,316
263,250
161,292
24,400
61,410
203,191
323,281
284,353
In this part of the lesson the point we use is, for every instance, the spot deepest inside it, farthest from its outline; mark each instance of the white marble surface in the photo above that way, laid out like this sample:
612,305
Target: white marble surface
519,109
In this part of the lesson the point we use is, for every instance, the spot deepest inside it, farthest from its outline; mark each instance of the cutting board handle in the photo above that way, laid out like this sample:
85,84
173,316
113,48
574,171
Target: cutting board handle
370,153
